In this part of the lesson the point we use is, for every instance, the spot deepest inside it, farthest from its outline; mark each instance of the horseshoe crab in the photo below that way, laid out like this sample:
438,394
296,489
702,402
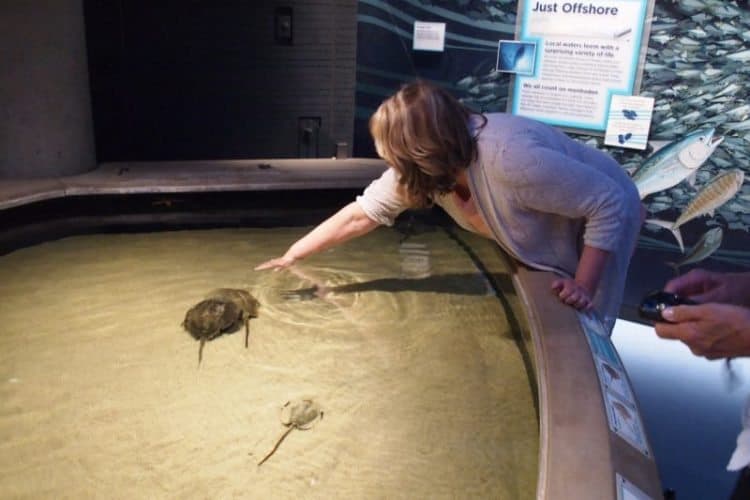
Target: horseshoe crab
222,311
302,414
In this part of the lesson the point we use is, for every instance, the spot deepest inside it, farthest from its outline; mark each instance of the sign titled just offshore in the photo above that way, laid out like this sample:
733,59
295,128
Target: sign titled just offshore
575,8
570,57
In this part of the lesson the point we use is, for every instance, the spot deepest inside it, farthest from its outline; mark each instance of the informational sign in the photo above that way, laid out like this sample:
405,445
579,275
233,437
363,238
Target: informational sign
429,36
629,121
628,491
584,52
625,421
619,401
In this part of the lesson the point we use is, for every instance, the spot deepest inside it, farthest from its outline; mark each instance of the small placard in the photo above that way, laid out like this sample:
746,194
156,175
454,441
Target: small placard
614,380
625,421
516,57
628,121
629,491
429,36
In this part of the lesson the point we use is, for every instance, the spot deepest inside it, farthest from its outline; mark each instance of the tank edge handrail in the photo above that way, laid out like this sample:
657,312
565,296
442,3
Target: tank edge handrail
579,455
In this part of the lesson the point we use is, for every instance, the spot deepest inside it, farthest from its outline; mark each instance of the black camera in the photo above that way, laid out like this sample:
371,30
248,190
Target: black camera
655,302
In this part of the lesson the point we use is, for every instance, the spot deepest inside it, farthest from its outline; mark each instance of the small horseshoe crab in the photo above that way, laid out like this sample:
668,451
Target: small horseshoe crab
301,414
222,311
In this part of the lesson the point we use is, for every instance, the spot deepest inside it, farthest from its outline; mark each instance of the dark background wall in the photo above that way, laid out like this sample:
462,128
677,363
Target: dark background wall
203,79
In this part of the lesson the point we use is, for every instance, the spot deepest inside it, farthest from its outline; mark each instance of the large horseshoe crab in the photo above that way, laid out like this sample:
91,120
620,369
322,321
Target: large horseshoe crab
223,310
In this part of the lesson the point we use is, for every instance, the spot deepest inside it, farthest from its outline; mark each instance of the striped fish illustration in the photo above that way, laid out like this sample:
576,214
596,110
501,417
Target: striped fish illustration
708,244
714,194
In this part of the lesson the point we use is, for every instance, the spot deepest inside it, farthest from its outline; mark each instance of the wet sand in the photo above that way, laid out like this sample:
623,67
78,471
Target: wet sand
423,389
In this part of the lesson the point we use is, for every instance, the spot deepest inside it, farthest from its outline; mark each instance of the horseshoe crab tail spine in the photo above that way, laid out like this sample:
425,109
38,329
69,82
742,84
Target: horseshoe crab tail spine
200,351
276,447
247,332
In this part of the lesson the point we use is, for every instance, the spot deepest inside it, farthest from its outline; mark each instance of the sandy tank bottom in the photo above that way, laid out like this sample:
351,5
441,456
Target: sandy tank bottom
405,347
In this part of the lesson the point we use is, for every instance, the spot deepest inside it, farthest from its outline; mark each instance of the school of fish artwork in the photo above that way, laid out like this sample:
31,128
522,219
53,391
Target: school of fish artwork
705,247
715,193
675,162
223,310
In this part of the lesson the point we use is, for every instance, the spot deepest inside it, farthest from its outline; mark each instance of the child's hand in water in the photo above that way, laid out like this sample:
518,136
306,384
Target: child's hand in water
572,293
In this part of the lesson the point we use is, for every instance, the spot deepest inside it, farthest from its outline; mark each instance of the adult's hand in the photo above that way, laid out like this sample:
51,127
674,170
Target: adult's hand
276,264
701,285
710,330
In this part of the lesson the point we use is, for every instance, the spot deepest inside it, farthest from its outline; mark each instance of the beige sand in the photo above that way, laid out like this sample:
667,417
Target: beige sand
422,386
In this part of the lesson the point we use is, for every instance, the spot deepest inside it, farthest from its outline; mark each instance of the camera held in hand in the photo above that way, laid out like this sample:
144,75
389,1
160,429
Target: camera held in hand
655,302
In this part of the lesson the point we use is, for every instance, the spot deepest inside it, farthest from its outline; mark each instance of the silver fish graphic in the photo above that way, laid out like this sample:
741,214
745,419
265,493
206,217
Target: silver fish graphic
675,162
707,245
714,194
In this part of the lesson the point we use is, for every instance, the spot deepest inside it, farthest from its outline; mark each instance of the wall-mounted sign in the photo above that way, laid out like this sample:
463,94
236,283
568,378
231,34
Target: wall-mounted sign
585,52
429,36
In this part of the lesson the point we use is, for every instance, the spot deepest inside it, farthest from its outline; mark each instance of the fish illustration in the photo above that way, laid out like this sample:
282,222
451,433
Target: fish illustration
611,372
708,244
714,194
629,114
622,410
675,162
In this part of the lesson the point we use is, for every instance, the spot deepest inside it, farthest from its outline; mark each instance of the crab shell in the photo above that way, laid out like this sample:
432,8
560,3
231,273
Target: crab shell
302,414
240,298
210,318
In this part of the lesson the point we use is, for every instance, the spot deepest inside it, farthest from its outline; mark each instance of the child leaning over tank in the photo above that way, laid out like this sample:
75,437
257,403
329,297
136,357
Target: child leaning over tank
550,202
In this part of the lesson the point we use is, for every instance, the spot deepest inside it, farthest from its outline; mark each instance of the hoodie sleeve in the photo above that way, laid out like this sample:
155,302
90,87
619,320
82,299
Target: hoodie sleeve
384,199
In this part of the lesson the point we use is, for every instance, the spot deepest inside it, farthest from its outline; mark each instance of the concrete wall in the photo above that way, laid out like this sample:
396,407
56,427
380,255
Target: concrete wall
45,112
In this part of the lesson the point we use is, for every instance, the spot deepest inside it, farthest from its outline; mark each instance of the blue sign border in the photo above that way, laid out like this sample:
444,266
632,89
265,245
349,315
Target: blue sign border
636,66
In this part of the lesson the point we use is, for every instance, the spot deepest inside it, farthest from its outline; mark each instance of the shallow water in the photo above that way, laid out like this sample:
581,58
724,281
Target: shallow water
406,348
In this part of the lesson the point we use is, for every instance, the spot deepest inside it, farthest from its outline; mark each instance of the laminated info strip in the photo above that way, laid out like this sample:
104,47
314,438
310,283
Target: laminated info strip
628,121
619,401
628,491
